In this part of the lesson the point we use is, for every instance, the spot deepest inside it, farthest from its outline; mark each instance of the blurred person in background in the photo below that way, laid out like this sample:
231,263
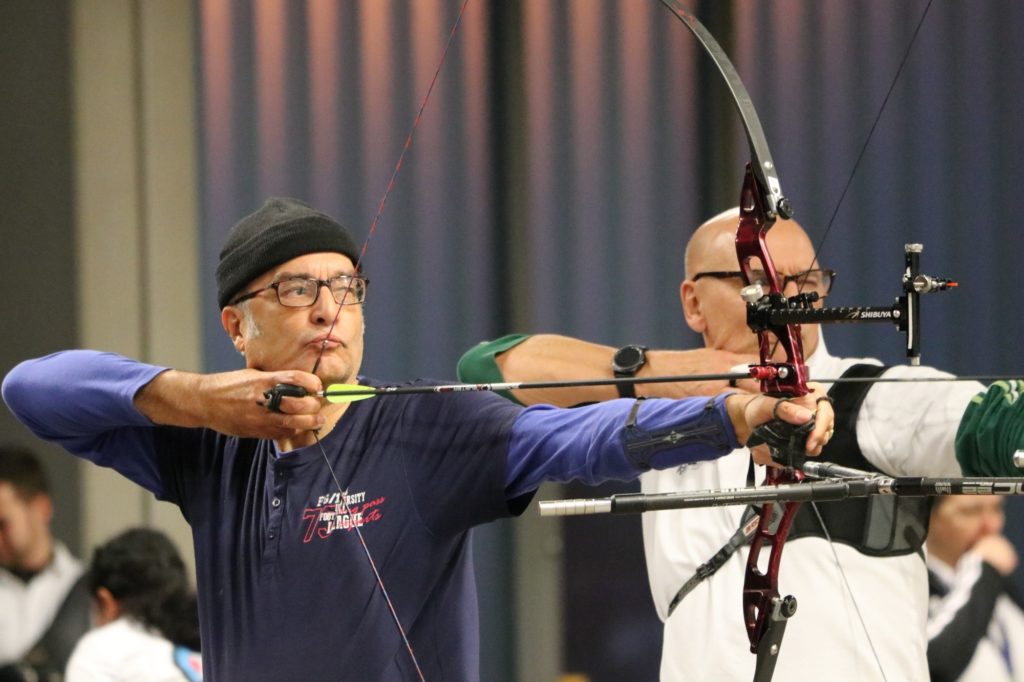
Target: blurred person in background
43,607
146,612
975,618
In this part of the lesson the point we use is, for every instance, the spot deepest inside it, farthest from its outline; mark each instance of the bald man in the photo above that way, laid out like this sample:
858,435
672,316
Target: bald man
871,565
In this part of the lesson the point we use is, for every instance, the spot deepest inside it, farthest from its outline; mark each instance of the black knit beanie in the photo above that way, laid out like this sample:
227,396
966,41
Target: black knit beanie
281,230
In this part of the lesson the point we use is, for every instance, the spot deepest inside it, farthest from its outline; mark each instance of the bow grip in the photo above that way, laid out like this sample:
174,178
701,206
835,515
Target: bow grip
786,441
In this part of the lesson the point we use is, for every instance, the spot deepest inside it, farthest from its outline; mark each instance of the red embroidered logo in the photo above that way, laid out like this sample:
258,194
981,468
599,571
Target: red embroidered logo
340,512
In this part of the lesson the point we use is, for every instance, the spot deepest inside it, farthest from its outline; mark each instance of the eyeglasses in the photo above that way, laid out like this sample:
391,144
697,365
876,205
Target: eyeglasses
300,292
819,281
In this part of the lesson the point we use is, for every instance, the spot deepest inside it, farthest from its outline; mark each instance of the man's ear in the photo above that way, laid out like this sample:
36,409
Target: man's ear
692,310
42,504
231,320
107,608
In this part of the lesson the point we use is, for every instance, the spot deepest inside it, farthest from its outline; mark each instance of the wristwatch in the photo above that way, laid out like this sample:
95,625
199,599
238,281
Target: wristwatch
626,362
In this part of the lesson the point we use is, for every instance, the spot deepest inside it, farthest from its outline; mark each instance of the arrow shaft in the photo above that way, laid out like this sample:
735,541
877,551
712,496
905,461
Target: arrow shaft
349,390
527,385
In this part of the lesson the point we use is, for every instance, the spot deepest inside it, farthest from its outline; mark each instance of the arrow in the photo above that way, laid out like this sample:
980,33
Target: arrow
346,393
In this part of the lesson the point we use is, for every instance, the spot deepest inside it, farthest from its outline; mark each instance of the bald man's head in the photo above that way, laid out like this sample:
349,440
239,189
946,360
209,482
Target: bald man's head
712,306
713,245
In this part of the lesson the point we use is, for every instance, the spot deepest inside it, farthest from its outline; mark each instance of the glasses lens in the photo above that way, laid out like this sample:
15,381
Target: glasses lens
759,277
348,290
296,292
819,281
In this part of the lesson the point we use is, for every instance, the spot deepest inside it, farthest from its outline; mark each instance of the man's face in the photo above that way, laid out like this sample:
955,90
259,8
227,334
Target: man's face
713,307
24,528
960,521
276,337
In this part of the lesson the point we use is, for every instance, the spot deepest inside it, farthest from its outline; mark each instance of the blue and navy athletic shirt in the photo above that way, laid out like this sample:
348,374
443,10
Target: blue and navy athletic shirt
285,590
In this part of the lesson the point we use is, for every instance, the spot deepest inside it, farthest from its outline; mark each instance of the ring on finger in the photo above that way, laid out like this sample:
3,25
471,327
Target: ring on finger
775,408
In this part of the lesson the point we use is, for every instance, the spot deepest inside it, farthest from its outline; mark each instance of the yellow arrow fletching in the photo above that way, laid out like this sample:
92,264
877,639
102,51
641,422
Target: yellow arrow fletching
348,393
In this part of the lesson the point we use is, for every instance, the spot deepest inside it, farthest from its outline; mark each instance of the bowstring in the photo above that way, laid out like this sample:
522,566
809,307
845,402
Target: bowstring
863,150
800,286
343,496
849,591
871,131
394,173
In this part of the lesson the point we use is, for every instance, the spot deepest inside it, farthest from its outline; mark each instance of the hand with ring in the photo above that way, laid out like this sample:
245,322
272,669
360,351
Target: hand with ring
758,409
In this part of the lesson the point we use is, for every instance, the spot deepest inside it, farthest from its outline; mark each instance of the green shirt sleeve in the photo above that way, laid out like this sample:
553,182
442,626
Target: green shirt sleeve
477,365
991,430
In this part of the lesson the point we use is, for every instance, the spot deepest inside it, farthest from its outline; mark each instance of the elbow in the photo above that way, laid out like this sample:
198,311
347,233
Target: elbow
25,396
15,387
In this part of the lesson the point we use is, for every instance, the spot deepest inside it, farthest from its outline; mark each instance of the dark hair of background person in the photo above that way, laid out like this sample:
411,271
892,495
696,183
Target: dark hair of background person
144,572
22,469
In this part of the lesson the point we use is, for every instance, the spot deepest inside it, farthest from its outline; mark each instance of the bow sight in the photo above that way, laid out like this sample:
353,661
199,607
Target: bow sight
766,311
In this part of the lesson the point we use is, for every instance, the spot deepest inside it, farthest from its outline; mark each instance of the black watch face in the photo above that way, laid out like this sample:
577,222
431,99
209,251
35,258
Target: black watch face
629,359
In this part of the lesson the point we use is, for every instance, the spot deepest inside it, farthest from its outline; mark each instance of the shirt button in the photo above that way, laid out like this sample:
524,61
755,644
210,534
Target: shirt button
271,535
276,502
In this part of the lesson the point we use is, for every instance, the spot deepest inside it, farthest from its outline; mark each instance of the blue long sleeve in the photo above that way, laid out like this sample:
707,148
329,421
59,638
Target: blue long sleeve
593,444
97,419
99,422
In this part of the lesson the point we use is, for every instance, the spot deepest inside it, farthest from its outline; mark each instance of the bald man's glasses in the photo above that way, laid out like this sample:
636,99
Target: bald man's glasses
819,281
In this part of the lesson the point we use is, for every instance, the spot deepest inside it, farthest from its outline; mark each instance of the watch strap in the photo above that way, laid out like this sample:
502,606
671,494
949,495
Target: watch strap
626,362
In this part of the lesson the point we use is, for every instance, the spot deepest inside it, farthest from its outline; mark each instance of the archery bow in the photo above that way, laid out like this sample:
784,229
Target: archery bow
765,612
772,316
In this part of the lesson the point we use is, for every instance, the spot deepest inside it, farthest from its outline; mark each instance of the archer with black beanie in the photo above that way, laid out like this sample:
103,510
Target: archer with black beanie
333,540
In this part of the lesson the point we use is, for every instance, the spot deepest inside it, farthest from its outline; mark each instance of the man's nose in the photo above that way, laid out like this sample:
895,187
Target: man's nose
791,288
993,523
324,307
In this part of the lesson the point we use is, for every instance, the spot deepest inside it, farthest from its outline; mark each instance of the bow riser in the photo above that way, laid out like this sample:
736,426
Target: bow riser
764,610
790,377
761,587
